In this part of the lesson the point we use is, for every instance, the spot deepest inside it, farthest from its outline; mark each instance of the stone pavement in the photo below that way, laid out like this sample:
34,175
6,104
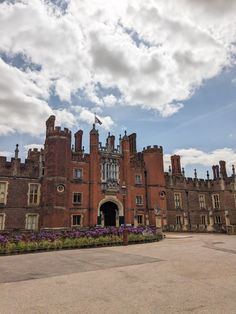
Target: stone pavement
183,273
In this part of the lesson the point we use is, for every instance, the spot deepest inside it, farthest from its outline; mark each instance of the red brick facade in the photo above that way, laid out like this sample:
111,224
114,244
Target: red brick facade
61,187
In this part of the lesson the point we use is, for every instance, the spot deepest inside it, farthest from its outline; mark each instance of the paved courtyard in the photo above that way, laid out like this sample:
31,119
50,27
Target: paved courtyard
184,273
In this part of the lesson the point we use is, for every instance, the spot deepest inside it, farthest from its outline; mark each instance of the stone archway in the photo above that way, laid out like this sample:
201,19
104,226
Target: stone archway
109,212
110,208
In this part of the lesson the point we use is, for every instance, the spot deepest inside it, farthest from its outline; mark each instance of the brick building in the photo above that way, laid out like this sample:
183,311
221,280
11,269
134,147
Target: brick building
61,186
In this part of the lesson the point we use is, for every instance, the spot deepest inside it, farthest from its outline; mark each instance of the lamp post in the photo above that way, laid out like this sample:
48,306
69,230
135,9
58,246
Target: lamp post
125,232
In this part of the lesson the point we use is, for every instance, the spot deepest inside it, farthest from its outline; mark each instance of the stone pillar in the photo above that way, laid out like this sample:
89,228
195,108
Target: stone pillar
164,221
227,220
185,224
147,220
158,221
117,218
102,219
210,226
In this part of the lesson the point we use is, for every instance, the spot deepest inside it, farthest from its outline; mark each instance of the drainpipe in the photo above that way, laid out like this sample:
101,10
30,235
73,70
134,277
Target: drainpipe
188,213
146,198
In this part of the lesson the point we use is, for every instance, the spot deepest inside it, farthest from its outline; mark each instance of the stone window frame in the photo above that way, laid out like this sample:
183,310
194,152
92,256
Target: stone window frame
6,183
140,180
27,223
81,198
139,197
110,170
215,201
38,194
179,200
74,173
142,219
81,220
202,202
2,225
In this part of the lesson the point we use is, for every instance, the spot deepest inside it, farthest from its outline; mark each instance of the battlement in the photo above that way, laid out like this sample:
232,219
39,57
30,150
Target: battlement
57,131
3,159
51,130
16,168
182,182
153,149
199,182
34,154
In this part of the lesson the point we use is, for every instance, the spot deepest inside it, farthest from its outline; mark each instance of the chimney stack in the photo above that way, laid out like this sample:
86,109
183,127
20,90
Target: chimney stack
176,166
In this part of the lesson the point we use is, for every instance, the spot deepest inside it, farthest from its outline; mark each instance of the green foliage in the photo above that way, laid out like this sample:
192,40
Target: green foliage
80,242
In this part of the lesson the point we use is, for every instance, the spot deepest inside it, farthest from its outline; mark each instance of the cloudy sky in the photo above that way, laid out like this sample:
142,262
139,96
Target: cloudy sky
163,69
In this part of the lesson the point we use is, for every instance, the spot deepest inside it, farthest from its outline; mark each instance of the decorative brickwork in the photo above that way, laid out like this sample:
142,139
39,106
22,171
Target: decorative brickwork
61,186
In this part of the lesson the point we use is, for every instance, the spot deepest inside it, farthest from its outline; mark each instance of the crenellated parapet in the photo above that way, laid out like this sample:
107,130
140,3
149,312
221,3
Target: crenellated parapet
16,168
34,154
153,149
59,132
220,181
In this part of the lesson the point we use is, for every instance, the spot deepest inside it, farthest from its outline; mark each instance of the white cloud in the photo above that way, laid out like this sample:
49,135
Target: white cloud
87,116
193,156
155,58
109,100
65,117
170,109
6,154
21,105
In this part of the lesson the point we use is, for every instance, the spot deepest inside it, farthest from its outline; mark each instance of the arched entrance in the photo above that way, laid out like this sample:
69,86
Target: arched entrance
109,210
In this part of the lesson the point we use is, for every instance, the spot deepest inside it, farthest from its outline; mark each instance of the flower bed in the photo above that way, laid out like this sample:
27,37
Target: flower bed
68,239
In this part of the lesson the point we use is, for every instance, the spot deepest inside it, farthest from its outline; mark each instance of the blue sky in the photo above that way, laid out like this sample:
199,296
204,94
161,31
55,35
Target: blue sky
172,80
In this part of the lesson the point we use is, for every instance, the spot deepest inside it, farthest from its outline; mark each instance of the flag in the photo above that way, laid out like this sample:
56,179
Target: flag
97,120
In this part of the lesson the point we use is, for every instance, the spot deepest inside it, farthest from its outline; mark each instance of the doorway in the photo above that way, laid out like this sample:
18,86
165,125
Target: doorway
109,210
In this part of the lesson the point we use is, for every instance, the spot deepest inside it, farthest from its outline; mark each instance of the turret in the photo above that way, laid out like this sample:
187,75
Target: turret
94,174
57,149
110,143
176,165
33,154
233,171
17,151
154,182
153,158
50,124
94,140
125,144
78,141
